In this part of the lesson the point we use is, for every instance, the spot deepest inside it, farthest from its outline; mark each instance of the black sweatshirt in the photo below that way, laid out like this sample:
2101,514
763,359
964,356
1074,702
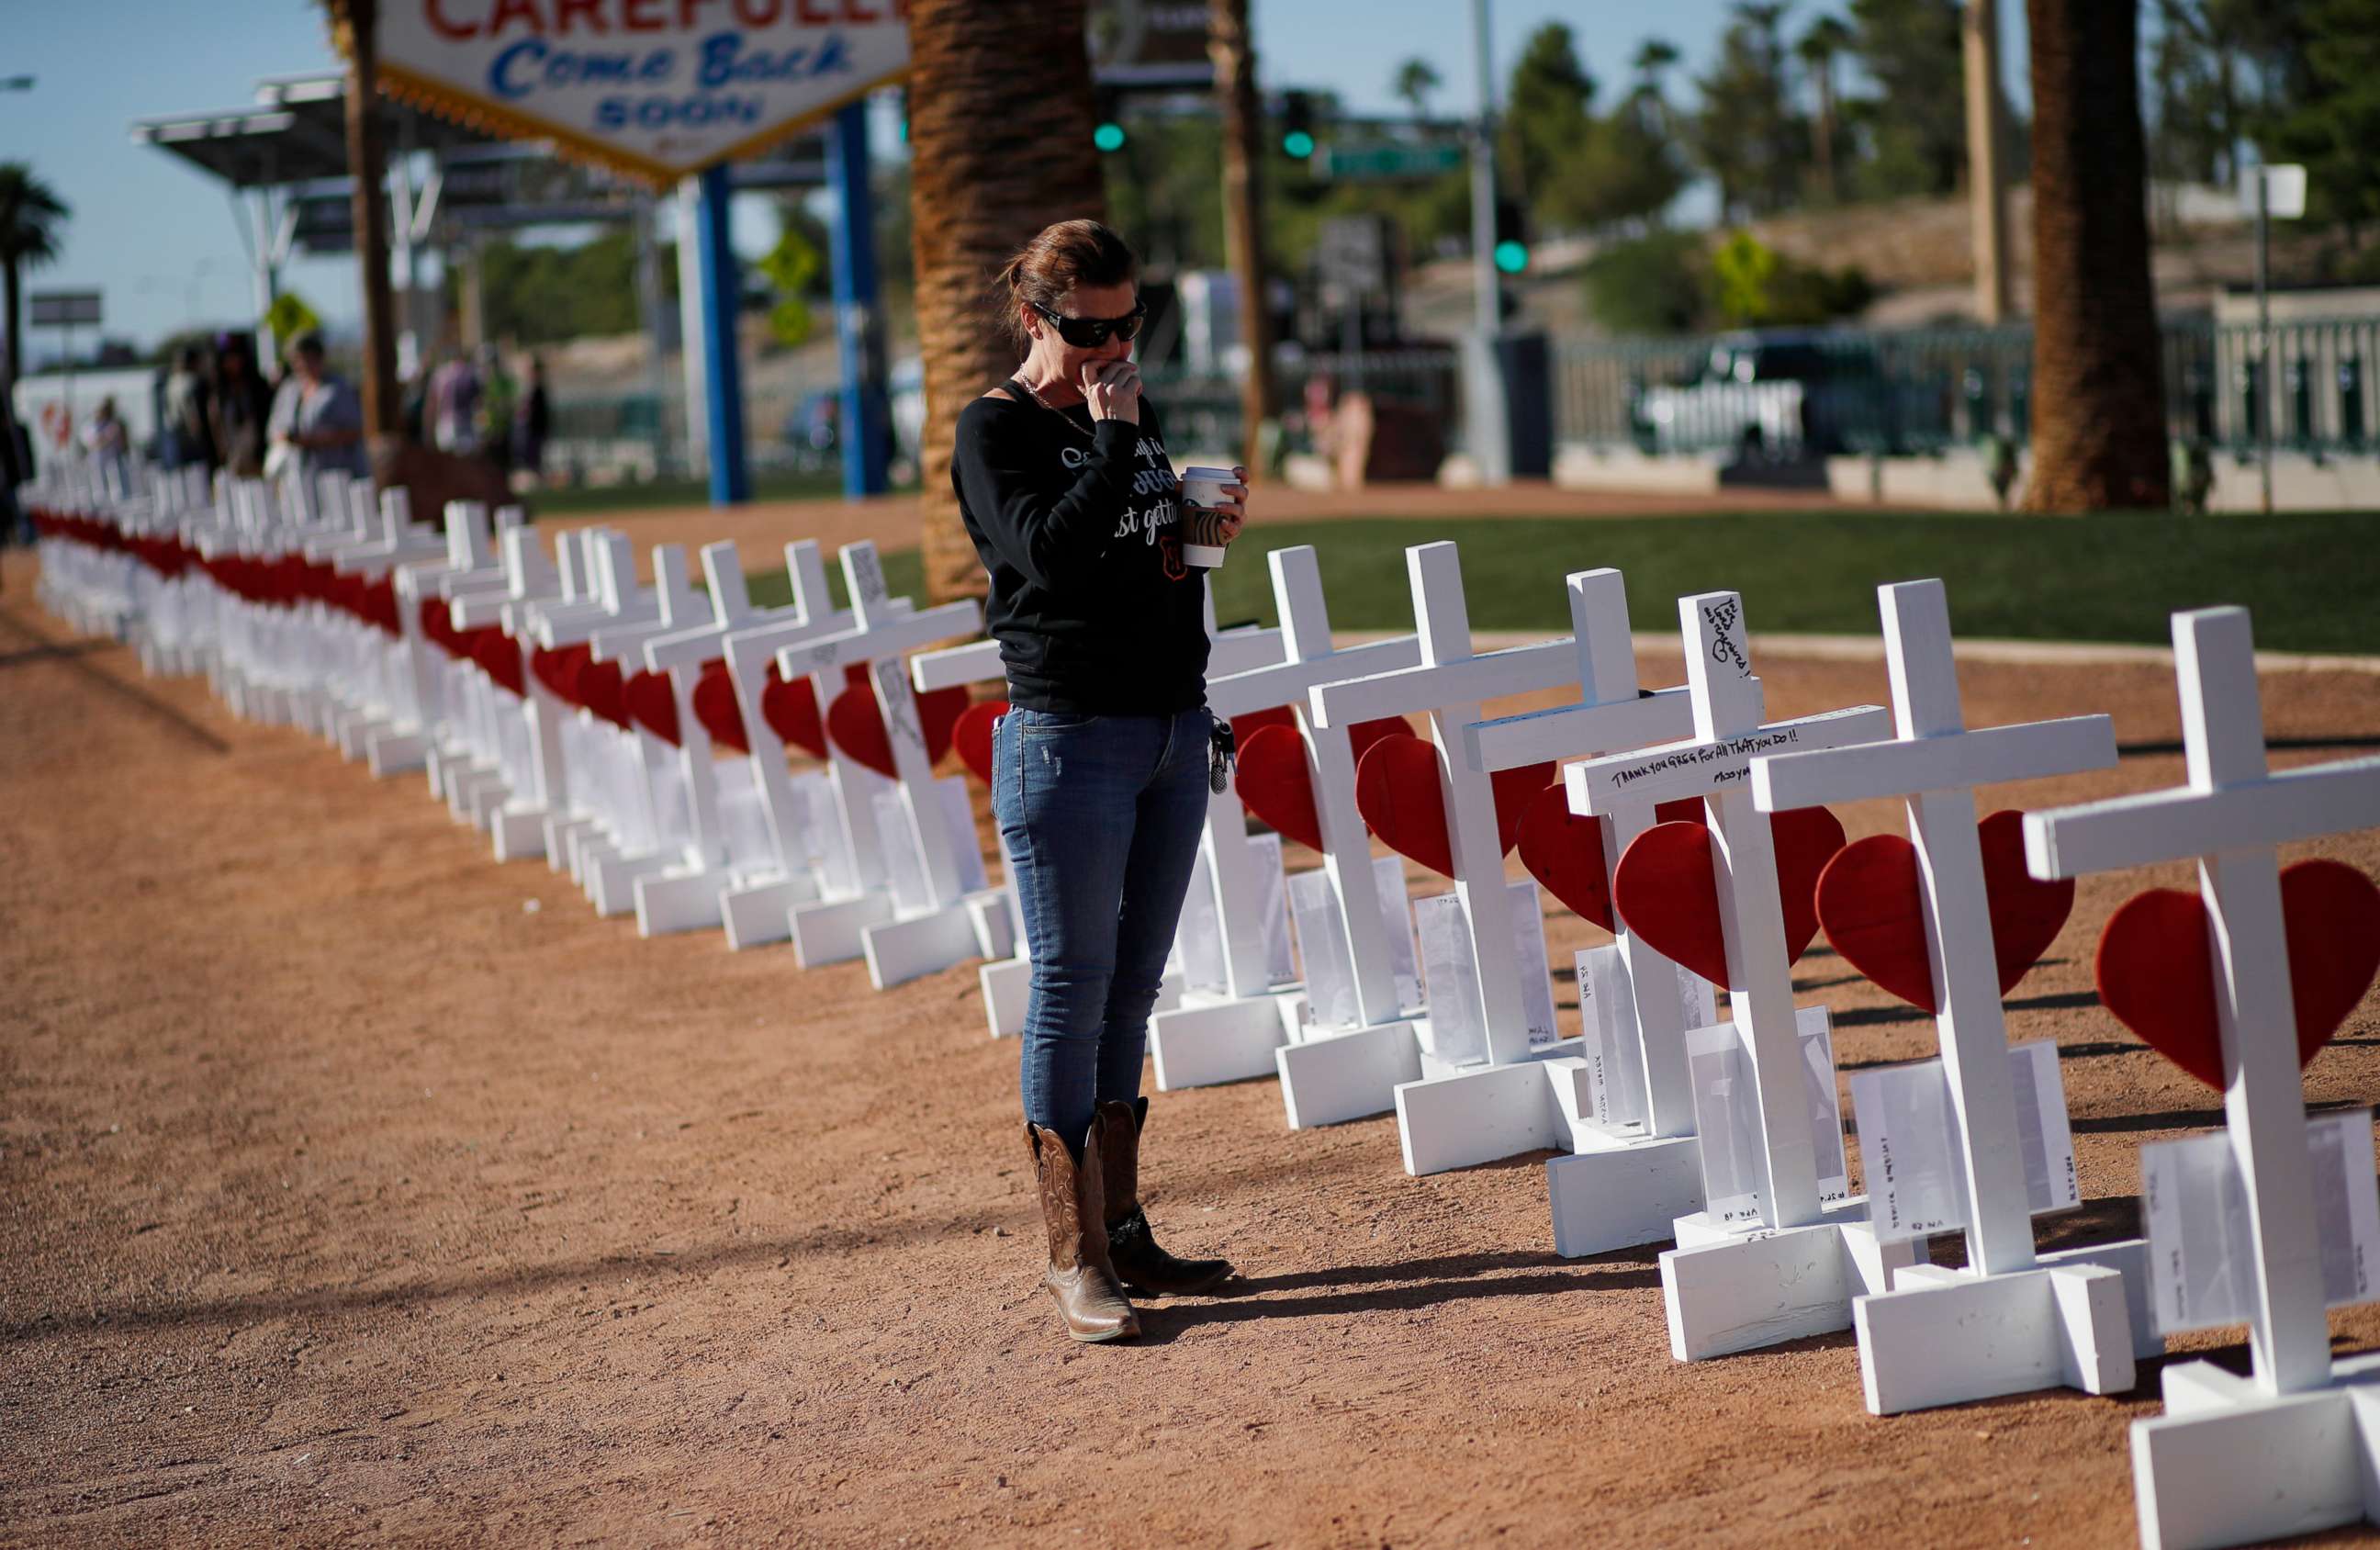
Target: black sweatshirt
1094,611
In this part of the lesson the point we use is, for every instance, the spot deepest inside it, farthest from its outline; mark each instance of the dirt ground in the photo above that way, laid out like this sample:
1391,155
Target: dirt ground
354,1187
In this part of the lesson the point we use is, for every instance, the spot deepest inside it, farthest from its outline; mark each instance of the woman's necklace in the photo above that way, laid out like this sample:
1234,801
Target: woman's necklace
1072,423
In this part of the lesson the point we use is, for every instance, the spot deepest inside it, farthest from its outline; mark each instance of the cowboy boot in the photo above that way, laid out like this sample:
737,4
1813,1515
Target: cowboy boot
1080,1280
1138,1262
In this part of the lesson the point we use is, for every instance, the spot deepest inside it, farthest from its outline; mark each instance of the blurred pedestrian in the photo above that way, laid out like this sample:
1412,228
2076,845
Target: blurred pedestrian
188,437
498,395
238,408
104,436
318,422
452,411
532,423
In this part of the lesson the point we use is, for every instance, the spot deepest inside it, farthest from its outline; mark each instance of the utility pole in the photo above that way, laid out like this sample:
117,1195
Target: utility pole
368,168
1490,427
1987,185
1233,50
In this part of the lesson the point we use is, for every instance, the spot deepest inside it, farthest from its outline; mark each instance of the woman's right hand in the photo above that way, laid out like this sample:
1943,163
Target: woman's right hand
1111,388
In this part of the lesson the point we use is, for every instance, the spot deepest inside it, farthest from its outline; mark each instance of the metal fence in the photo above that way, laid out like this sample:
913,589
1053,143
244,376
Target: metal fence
1202,412
1787,395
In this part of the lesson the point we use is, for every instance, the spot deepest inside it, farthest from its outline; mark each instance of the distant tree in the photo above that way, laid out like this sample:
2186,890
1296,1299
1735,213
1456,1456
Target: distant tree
33,216
1654,59
2201,105
1827,39
1746,133
2334,128
1915,125
540,293
1417,78
1546,108
1628,167
2098,399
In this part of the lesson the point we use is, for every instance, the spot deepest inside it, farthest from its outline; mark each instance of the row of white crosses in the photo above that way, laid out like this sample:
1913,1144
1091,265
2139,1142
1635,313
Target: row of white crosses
1790,1261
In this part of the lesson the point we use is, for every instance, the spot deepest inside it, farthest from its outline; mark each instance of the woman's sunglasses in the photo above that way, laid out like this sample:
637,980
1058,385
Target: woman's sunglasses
1089,334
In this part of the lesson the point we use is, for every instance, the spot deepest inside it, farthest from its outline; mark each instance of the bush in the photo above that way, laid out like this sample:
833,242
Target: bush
1657,283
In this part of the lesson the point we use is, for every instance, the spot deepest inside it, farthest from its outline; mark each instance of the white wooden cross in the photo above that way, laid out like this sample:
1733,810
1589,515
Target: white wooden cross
498,751
1613,1192
1461,1124
1925,1342
880,636
644,778
759,911
685,897
2290,1449
422,704
1235,1035
1728,1289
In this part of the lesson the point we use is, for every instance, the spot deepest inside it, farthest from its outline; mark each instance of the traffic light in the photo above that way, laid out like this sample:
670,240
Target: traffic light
1512,249
1107,121
1297,124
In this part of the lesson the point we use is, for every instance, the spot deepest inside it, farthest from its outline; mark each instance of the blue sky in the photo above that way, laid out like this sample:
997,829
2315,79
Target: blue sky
160,240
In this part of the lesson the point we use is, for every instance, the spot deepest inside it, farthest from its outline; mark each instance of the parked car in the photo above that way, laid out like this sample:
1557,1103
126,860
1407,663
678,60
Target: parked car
1790,394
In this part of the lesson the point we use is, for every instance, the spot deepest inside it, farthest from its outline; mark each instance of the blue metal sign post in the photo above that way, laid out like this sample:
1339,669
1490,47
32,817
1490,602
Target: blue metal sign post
731,473
867,412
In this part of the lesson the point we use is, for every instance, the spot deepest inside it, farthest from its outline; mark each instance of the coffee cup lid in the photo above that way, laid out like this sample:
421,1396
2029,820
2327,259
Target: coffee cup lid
1220,475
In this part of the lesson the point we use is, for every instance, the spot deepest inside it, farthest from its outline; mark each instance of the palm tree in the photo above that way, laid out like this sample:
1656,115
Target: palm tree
2098,404
1826,38
997,152
31,217
1417,78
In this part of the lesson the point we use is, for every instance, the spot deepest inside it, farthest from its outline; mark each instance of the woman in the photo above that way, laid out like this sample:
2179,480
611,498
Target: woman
238,408
1100,768
317,416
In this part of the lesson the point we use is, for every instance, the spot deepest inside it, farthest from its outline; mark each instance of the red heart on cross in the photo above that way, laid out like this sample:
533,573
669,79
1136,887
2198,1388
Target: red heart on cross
652,704
792,711
499,654
1397,790
2155,965
1247,726
557,667
1275,785
1869,902
598,688
1665,890
1564,851
716,709
856,726
971,735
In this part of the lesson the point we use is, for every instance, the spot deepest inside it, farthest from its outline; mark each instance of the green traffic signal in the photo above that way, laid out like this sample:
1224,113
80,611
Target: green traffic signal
1298,144
1107,137
1512,257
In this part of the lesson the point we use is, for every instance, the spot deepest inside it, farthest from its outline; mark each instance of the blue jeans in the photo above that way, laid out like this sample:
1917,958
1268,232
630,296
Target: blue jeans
1100,815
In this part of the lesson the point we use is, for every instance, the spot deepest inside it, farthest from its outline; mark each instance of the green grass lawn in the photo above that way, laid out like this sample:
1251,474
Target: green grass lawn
587,499
2312,581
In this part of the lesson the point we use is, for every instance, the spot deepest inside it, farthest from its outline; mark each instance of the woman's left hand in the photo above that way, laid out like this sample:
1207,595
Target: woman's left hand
1234,504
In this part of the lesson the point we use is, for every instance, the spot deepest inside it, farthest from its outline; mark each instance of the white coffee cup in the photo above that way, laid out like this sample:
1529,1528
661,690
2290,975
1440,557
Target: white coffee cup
1202,491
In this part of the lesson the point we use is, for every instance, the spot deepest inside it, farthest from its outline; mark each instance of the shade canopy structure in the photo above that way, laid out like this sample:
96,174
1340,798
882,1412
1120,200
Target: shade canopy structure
282,160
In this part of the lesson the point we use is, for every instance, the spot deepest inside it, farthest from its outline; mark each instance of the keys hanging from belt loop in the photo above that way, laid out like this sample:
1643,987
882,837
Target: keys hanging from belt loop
1222,754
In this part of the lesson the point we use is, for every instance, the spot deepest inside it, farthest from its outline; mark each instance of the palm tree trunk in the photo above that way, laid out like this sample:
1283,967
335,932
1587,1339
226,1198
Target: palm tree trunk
2098,397
1000,131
